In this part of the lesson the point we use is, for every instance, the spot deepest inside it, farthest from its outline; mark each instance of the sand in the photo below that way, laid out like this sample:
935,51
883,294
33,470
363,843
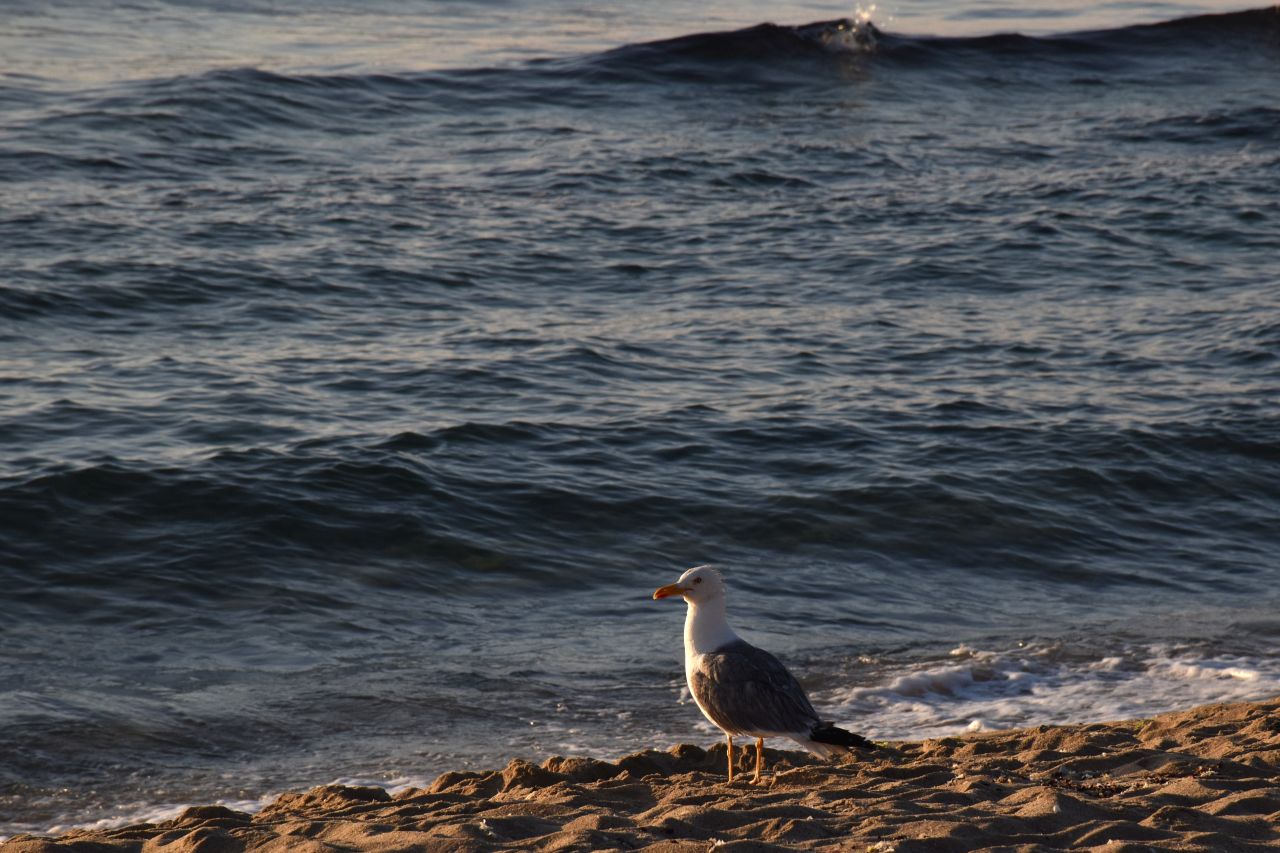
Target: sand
1205,779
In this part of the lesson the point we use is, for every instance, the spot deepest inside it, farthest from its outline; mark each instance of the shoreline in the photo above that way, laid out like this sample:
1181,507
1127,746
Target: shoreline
1203,779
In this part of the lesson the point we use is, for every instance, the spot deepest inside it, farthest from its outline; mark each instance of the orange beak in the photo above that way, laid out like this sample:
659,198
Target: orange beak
669,590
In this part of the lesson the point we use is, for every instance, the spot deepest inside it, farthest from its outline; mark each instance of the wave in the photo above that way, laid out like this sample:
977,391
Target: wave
757,50
333,520
219,105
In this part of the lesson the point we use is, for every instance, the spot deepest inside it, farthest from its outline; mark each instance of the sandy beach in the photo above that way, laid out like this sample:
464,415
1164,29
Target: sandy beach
1204,779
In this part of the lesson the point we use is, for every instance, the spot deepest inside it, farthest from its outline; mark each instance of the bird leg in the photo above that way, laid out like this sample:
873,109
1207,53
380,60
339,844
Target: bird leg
759,759
730,737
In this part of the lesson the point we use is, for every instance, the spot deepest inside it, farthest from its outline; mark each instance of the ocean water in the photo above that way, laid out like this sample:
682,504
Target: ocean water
365,366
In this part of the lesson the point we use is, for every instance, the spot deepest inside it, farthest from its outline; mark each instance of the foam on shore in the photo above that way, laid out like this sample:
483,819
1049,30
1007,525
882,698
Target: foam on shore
1047,683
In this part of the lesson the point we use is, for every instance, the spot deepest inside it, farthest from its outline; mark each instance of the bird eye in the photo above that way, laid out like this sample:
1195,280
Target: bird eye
697,580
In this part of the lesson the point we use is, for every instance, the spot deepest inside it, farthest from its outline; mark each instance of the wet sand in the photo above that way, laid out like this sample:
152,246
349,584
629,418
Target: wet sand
1204,779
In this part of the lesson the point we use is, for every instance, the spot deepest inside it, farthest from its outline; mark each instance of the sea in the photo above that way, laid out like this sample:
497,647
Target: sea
366,365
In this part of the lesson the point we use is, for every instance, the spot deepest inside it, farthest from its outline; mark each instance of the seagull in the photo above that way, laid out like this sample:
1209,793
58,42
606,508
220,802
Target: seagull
741,689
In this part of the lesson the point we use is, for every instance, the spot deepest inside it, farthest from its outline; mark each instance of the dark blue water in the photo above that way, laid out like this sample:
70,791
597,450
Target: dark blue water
349,414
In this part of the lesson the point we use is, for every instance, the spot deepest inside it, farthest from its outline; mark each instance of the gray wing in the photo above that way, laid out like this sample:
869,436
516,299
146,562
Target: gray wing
745,690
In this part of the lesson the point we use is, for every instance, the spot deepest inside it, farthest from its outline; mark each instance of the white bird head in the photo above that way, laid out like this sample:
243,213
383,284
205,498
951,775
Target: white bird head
696,586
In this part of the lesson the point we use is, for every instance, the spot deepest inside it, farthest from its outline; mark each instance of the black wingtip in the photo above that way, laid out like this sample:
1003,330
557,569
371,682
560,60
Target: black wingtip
836,736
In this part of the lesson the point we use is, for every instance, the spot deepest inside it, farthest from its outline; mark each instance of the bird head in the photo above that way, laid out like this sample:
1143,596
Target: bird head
698,585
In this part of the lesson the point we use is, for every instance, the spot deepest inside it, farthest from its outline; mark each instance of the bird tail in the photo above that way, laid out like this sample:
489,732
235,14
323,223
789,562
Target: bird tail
832,735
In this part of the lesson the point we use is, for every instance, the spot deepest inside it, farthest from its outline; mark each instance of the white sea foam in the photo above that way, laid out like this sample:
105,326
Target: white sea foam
128,814
976,690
